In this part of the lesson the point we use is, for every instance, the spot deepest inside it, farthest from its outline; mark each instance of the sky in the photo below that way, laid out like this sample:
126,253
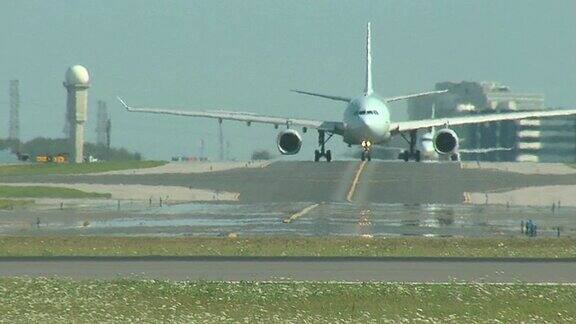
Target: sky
246,55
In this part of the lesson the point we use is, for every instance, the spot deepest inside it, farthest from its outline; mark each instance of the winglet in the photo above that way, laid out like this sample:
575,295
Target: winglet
124,104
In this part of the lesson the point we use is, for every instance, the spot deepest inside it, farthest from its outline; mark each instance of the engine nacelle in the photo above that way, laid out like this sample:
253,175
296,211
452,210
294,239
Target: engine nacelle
446,141
289,142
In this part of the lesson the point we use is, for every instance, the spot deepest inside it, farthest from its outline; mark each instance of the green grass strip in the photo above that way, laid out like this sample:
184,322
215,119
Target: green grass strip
286,246
12,203
83,168
153,301
47,192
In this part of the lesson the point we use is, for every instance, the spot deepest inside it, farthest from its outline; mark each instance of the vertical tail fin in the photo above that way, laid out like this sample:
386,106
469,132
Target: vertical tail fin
368,89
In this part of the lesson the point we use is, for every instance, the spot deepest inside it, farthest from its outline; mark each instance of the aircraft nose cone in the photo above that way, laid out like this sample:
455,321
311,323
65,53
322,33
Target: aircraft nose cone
369,123
368,127
365,121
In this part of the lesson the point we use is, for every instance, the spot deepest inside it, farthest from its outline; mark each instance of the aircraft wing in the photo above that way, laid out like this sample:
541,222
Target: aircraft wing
422,94
398,127
248,118
484,150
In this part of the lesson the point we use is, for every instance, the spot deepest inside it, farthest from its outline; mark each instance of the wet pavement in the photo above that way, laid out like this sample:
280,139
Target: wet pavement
217,219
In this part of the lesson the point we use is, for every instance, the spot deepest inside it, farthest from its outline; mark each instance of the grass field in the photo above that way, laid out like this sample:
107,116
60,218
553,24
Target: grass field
150,301
46,192
50,168
286,246
12,203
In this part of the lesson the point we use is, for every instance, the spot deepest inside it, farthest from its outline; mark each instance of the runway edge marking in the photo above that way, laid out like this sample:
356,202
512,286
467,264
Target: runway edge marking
354,184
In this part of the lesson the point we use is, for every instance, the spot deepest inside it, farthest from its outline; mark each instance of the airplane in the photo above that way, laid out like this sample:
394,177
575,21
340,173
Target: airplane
366,121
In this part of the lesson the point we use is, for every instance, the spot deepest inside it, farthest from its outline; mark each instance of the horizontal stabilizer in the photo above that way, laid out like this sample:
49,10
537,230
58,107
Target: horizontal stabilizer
338,98
422,94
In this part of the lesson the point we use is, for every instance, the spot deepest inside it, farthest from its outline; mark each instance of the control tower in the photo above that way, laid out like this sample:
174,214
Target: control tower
77,83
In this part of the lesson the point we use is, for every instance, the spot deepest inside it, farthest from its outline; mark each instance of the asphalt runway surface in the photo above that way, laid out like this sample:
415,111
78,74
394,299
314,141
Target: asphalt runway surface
429,270
292,181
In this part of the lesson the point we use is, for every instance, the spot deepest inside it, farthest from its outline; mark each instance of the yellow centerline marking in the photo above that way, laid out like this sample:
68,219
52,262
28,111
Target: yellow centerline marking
299,214
355,181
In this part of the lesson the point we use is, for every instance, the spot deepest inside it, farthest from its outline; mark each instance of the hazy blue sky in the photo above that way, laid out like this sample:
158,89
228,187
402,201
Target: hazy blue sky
245,55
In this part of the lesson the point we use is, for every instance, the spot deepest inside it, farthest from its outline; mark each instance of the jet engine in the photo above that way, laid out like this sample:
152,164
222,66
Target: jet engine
446,141
289,142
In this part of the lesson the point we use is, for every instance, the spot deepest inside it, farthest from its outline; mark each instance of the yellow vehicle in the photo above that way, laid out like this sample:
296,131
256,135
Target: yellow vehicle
43,158
58,158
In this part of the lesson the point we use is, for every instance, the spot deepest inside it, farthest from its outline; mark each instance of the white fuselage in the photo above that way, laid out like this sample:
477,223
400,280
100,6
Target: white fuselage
366,118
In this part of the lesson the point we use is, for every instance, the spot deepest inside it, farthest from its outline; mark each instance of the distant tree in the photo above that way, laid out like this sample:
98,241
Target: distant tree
42,145
103,153
53,146
11,144
261,155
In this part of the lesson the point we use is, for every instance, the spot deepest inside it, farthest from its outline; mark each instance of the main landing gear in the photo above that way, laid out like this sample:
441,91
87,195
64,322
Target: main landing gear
322,140
366,145
412,153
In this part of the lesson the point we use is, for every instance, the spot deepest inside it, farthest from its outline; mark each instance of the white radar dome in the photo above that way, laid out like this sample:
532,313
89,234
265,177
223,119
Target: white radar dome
77,75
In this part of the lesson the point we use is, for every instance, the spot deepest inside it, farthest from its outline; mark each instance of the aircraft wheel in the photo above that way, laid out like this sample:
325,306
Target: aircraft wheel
363,156
328,156
405,156
368,157
417,156
316,156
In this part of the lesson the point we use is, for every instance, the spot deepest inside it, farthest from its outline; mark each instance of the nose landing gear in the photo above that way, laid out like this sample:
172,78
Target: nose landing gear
322,140
366,145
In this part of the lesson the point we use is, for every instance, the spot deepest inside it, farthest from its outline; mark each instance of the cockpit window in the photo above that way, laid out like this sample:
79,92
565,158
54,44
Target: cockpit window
367,112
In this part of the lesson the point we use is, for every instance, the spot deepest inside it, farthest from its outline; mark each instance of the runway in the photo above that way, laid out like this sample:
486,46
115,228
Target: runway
376,198
434,270
296,181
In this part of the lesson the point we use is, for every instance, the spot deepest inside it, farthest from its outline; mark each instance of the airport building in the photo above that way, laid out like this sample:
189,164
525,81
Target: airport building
544,140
